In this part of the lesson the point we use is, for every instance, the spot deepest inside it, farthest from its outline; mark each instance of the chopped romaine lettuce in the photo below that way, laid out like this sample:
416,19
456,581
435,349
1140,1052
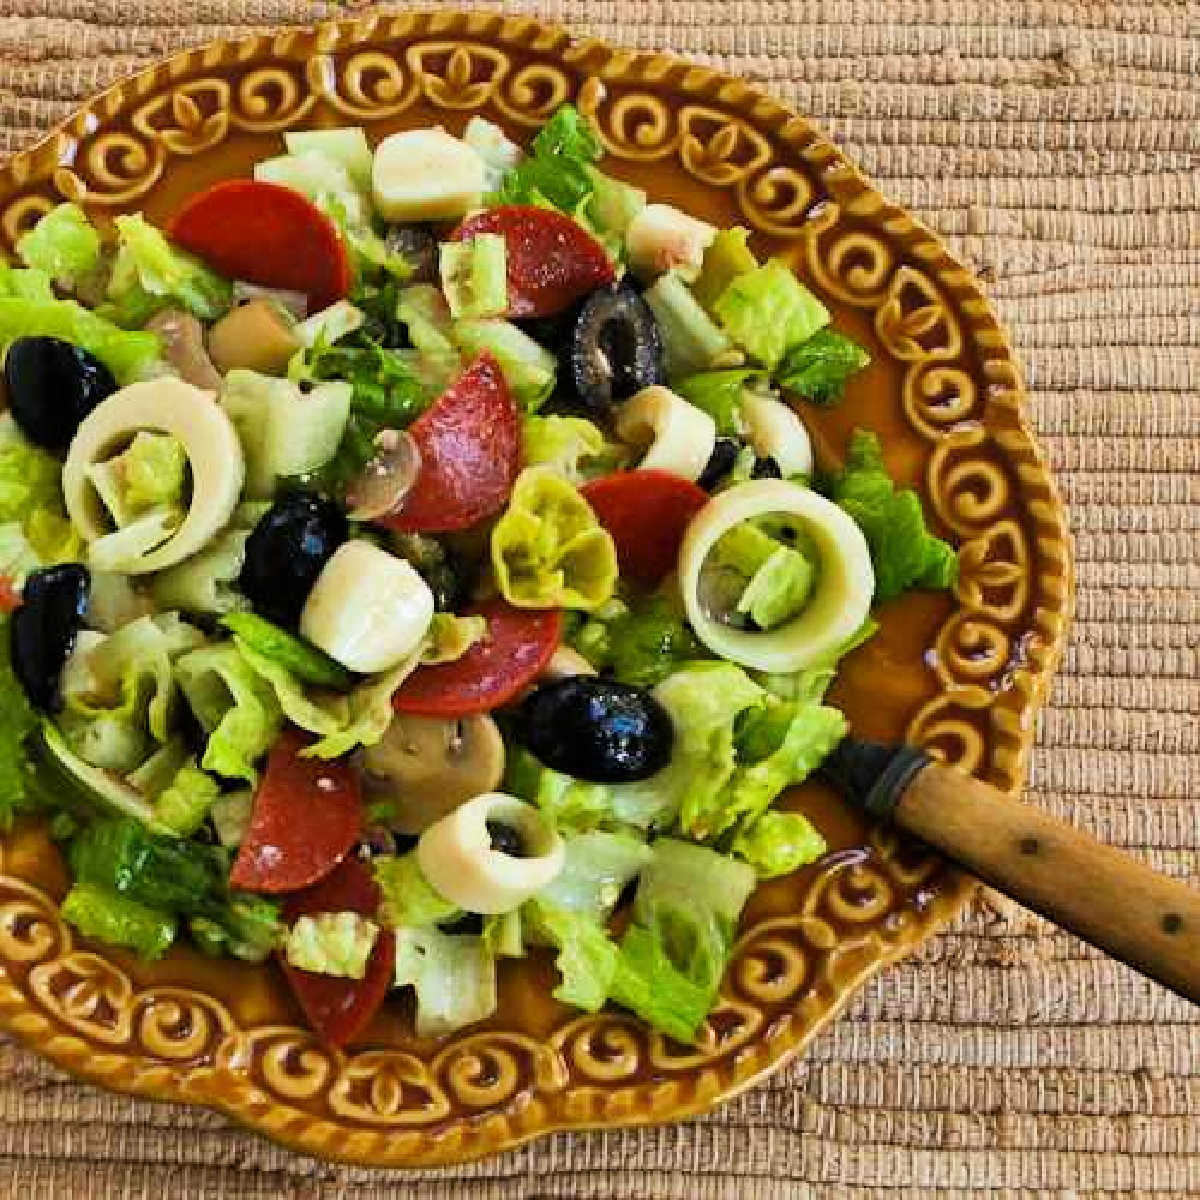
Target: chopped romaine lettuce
719,393
503,934
184,804
25,284
206,582
119,921
779,589
813,682
64,244
687,874
155,775
234,706
691,342
453,975
818,368
246,926
423,310
16,791
124,548
331,943
128,354
903,551
330,325
529,369
767,311
474,276
17,557
31,496
642,643
548,549
573,446
149,273
587,956
557,170
727,257
302,659
596,868
231,814
569,804
408,897
778,843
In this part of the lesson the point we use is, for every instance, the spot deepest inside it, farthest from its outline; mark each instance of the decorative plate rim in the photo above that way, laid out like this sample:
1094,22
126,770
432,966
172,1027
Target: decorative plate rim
225,1087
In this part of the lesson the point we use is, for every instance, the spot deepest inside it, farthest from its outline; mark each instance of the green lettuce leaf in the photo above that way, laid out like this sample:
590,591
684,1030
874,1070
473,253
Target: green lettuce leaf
236,708
767,311
408,898
813,682
17,790
556,172
119,921
719,393
129,355
31,499
818,368
903,551
302,659
64,244
184,804
597,865
149,274
331,943
778,843
453,975
573,446
27,284
727,257
587,957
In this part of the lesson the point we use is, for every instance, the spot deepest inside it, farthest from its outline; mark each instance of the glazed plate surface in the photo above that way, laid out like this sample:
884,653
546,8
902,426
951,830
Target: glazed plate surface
961,674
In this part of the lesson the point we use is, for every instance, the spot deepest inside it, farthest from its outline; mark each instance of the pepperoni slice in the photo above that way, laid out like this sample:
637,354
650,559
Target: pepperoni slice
266,234
10,597
518,645
470,444
552,260
340,1009
307,814
646,512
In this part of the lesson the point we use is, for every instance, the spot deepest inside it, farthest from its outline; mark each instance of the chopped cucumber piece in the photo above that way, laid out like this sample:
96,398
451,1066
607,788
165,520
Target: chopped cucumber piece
474,276
348,148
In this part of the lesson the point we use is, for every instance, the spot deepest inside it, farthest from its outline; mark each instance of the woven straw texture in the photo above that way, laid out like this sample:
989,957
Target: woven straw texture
1057,147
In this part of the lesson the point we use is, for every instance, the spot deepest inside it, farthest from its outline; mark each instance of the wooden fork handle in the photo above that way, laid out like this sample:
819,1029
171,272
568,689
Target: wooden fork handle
1106,897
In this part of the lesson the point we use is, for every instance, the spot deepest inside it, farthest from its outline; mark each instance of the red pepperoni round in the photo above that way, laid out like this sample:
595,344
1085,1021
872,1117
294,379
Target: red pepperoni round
307,814
340,1009
266,234
519,644
646,512
470,444
10,597
552,261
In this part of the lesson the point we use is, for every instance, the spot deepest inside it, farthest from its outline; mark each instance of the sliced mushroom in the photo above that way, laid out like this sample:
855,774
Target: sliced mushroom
256,336
490,854
183,346
430,765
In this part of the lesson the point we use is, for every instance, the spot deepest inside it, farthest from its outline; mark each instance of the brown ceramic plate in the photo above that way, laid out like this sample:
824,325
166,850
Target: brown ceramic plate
962,674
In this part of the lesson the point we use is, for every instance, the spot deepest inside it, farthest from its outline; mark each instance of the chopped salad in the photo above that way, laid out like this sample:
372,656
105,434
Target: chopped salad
415,556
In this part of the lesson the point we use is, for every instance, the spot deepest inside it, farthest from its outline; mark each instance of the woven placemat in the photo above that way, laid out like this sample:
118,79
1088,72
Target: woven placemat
1057,146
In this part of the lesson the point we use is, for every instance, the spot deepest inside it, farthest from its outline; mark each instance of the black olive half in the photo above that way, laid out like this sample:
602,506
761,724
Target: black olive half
505,839
52,385
468,923
597,729
44,629
765,468
616,348
286,552
720,463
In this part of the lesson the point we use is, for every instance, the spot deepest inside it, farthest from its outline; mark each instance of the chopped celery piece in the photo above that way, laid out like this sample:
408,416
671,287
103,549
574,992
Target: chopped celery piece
691,342
474,276
348,147
529,369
